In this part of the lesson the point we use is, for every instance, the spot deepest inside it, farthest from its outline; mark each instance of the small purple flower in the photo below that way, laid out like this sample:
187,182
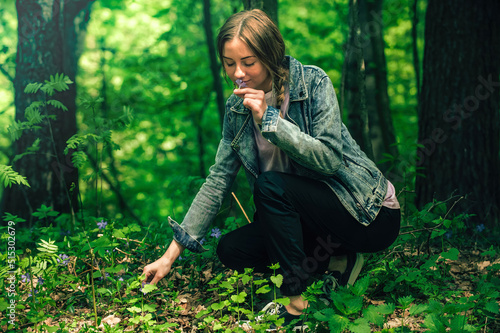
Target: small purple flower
241,83
41,281
25,278
120,278
480,227
102,224
202,241
215,233
142,288
63,259
36,292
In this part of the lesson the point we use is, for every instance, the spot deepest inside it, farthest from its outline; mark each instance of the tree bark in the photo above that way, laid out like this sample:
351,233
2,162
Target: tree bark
459,122
353,91
50,34
270,7
377,98
214,64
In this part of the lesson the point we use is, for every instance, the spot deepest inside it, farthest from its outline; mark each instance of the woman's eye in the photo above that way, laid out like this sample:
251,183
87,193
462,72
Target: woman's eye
248,65
229,65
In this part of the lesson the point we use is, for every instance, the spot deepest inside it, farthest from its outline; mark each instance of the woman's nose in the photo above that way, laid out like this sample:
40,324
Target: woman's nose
239,72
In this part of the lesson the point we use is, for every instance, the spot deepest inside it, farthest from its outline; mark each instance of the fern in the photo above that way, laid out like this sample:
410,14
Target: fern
58,82
32,88
8,177
32,113
78,158
57,104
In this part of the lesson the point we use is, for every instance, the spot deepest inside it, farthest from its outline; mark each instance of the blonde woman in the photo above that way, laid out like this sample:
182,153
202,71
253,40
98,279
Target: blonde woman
320,202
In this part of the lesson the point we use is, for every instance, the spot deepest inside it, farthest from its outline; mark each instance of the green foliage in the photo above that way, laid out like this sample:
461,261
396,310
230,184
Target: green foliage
8,177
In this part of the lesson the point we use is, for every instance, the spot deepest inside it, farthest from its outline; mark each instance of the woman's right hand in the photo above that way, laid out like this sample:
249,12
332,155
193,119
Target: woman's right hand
156,271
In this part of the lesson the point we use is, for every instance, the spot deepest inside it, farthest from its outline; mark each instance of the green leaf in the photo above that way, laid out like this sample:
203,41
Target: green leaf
452,254
32,88
277,280
149,288
57,104
373,316
433,324
134,309
240,298
263,290
386,309
361,286
417,309
360,325
492,307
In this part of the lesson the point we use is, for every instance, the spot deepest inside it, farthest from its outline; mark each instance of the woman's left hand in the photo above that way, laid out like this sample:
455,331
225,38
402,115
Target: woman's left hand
254,100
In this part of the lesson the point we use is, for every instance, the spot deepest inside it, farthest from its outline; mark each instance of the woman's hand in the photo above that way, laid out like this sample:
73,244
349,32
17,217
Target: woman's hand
254,100
157,270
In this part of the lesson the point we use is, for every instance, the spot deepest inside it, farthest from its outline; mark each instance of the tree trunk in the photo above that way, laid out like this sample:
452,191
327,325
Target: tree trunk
377,99
214,64
49,36
270,7
459,107
353,92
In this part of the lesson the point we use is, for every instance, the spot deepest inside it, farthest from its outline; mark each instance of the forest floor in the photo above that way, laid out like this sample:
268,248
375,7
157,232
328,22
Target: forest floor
186,291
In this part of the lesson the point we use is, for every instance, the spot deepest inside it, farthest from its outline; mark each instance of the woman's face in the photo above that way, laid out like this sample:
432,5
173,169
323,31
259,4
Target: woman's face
241,63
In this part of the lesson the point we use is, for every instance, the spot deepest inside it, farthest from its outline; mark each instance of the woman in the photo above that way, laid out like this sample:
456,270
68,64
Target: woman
319,200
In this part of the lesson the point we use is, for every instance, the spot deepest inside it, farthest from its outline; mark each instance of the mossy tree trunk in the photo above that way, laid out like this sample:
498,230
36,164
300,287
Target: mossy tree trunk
50,38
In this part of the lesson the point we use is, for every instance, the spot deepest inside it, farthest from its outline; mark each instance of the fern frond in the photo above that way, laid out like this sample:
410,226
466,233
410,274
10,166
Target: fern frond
32,113
8,177
47,247
32,88
57,104
79,158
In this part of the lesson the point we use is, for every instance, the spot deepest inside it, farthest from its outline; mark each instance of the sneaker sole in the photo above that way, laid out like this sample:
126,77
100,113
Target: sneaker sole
356,269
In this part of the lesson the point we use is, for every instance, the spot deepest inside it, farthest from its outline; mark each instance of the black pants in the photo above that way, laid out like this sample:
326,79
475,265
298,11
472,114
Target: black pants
300,223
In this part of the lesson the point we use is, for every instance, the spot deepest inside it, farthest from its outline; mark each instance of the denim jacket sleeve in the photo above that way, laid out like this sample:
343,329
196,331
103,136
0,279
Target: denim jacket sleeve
208,201
319,148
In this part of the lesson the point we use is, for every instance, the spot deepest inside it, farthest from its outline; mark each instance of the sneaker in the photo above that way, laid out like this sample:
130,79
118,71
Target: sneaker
346,279
278,309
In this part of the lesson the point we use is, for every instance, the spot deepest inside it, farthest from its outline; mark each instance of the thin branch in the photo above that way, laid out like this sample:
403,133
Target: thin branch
7,74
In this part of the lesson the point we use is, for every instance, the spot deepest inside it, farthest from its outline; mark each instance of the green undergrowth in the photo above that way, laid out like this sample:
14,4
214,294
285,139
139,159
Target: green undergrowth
439,276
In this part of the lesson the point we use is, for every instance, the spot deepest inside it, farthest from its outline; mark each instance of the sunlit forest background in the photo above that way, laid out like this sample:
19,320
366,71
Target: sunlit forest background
110,117
152,58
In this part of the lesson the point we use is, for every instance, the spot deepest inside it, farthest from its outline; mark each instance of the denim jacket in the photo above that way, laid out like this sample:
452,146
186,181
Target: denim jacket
314,138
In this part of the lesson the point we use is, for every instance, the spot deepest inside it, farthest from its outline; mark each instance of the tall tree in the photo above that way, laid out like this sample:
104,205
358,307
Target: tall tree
459,123
353,90
377,98
50,36
268,6
214,64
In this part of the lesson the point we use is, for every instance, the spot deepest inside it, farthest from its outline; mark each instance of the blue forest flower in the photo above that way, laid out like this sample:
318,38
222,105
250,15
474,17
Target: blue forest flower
102,224
63,259
480,227
215,233
40,281
25,278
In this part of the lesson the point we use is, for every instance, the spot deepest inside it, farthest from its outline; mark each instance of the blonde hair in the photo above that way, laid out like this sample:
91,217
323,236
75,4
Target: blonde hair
263,37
